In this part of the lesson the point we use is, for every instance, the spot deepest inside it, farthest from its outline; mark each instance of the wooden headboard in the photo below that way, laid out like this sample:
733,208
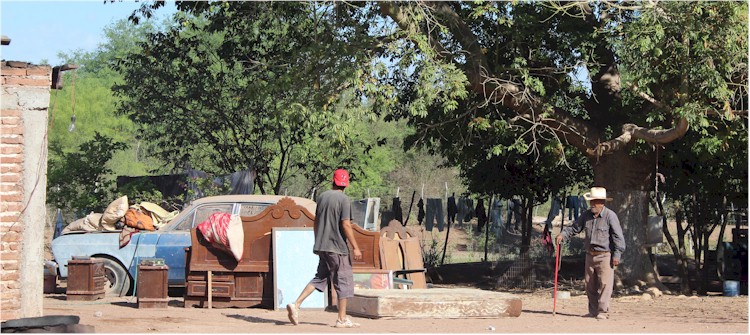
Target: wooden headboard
369,245
257,255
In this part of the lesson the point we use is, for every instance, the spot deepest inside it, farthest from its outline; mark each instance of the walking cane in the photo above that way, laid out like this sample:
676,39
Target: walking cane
557,268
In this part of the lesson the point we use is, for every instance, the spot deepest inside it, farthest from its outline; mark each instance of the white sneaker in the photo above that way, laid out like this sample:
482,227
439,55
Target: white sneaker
347,323
293,312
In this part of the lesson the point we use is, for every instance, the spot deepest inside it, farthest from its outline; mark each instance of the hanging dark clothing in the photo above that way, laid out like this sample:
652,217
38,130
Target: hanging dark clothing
397,212
452,209
481,215
434,213
420,213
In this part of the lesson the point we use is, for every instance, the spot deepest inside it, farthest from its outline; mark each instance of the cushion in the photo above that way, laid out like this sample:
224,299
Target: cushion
114,212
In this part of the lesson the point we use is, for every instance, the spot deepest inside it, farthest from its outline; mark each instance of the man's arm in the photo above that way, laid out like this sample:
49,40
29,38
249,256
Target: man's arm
617,238
567,232
346,225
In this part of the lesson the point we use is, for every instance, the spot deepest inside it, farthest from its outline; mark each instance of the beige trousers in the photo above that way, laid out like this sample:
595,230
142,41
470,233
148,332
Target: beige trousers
600,277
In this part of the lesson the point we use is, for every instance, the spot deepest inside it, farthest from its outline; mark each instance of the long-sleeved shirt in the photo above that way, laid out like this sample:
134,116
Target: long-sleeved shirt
601,230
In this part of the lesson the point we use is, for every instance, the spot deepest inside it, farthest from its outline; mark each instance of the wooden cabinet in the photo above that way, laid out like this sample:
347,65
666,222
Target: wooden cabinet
152,286
86,279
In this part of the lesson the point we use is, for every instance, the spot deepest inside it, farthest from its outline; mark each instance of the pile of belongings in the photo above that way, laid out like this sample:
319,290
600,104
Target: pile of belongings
118,215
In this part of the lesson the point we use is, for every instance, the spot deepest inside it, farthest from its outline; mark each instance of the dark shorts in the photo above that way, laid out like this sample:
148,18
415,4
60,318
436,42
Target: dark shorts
338,268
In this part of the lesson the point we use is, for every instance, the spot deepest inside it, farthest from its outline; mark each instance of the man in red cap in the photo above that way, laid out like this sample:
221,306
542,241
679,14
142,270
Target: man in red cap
333,228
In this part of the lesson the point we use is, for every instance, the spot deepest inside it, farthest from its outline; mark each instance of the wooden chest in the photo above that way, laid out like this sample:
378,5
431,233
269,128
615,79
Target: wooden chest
86,279
152,286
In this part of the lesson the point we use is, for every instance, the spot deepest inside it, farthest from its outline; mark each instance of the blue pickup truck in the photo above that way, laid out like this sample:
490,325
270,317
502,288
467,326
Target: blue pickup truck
169,242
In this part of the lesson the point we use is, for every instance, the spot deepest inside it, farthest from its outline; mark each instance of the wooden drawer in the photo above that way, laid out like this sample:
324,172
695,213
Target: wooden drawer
254,284
215,276
219,289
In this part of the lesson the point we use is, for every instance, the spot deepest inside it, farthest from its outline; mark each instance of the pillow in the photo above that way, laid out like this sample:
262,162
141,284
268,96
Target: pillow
114,212
224,232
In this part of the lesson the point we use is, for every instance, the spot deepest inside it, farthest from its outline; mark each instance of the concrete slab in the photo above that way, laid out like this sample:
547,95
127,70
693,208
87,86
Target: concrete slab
433,303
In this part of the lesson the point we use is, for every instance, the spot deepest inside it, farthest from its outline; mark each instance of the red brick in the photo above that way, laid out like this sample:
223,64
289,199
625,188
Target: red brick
12,158
10,236
10,120
12,71
10,113
11,139
10,304
9,276
16,81
14,188
9,314
10,168
8,266
10,295
12,255
9,218
7,129
7,207
12,285
11,149
39,71
10,177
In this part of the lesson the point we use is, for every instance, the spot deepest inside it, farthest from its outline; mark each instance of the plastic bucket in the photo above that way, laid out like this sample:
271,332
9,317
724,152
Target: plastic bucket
731,288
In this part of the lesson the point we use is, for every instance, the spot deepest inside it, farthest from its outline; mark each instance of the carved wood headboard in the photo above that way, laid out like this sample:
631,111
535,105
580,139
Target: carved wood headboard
257,255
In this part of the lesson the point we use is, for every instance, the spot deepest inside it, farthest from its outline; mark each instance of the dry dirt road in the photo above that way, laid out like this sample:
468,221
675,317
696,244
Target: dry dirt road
629,314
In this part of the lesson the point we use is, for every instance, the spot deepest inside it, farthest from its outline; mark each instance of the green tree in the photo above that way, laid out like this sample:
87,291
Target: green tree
655,70
81,180
239,85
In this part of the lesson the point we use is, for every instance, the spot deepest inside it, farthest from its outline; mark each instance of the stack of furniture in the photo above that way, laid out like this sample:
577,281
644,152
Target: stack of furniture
249,282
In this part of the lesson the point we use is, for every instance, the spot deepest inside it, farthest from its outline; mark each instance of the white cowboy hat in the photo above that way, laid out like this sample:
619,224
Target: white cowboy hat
597,193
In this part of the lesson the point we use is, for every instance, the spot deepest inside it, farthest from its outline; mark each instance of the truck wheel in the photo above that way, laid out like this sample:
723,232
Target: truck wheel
117,278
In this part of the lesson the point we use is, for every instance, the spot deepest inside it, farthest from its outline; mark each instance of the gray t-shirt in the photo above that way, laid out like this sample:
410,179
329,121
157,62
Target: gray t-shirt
332,207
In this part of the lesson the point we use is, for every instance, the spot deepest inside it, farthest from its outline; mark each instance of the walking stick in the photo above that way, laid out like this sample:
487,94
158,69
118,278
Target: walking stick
557,268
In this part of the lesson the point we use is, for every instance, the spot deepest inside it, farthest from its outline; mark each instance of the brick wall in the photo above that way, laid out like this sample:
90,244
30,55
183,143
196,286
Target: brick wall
23,115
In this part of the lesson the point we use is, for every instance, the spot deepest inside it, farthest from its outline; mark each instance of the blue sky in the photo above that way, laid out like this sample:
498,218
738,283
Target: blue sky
40,29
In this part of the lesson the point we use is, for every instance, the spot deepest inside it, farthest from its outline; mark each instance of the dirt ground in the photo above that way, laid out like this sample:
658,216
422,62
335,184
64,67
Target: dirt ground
628,314
636,313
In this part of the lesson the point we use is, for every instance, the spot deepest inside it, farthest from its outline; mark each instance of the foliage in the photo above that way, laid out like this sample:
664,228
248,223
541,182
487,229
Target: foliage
87,95
432,252
78,181
247,84
141,190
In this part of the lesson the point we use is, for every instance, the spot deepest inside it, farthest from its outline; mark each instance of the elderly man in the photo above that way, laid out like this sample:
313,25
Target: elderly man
604,244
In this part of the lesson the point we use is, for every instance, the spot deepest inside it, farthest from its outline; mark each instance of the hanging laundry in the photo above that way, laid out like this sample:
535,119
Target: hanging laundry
420,213
481,215
452,209
554,210
434,213
397,212
496,217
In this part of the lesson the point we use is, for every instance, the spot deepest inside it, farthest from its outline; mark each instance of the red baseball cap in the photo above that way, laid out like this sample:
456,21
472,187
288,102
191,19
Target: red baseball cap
341,178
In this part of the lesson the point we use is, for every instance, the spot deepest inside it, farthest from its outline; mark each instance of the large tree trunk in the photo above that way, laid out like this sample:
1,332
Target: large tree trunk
628,181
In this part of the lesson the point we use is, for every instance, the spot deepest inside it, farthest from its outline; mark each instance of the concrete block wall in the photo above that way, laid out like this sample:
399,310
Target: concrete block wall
23,183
